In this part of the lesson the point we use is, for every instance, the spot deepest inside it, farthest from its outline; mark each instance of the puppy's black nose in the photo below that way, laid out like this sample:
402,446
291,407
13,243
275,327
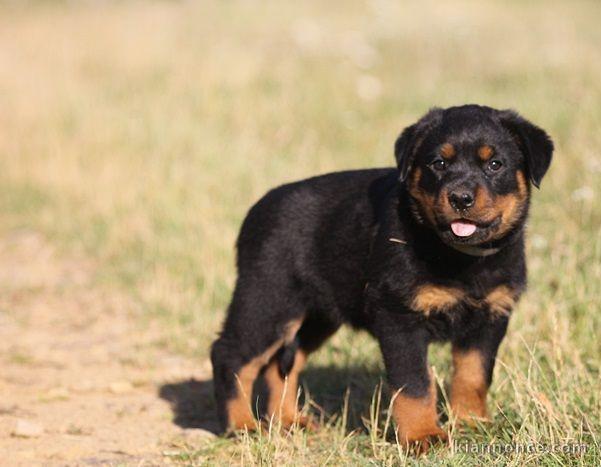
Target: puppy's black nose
461,199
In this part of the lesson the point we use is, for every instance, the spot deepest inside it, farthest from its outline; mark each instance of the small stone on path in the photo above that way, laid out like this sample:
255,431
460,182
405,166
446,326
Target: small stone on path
27,429
121,387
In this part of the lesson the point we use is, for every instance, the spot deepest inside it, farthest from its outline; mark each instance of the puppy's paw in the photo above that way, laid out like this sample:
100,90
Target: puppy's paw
292,422
470,417
249,426
420,443
305,421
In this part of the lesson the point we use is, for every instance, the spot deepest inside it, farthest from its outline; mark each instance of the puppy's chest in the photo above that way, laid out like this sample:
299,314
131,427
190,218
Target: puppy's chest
431,298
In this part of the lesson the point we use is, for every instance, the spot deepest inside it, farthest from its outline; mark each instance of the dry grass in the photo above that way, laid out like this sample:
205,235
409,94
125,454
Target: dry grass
138,134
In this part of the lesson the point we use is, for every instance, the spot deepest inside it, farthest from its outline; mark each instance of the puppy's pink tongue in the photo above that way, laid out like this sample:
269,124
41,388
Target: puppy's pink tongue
463,229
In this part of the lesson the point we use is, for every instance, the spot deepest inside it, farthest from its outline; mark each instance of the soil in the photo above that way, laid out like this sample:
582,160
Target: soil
81,382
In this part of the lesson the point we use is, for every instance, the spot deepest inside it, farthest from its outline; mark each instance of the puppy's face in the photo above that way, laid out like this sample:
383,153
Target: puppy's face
468,171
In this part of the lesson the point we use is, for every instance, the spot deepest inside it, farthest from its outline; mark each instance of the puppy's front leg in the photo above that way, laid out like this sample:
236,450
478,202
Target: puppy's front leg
404,345
473,360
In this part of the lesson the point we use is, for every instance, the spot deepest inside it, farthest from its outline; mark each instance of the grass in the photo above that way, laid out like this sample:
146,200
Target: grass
138,134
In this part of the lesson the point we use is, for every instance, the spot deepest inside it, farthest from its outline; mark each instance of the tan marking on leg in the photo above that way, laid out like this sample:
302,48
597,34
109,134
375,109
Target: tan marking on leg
432,298
291,329
239,409
447,151
501,300
416,419
283,392
485,152
468,387
239,412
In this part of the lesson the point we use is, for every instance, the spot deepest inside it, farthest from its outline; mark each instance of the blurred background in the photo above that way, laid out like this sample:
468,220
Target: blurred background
134,136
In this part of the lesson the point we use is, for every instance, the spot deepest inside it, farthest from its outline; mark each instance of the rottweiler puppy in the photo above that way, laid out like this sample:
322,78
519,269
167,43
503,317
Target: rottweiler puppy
432,250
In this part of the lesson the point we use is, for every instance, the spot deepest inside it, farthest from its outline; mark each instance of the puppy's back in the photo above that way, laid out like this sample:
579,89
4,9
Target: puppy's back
301,216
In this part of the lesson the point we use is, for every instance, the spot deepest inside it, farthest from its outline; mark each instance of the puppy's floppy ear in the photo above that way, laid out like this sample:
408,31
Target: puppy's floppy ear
409,140
534,142
403,149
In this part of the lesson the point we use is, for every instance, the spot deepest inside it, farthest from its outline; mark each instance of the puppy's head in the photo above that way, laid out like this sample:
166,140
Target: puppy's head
468,171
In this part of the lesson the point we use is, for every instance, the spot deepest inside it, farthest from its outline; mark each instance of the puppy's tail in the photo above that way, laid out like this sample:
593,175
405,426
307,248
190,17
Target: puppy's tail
286,357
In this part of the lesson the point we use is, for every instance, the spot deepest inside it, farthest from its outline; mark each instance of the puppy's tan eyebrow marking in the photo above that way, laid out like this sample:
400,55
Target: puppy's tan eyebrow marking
447,151
485,152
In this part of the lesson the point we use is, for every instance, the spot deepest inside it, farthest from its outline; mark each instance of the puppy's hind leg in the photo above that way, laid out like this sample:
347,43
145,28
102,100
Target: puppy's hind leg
282,373
281,376
236,365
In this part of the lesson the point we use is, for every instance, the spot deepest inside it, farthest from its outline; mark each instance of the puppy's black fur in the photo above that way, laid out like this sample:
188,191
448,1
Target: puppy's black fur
377,249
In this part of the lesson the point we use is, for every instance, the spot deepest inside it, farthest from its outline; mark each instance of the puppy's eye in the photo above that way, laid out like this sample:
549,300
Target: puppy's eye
494,165
439,165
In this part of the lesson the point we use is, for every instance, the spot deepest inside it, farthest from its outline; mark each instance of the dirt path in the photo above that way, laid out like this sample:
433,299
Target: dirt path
80,384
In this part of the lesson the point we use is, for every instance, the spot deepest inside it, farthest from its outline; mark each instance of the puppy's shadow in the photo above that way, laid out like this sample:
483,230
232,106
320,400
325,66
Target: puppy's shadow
193,404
